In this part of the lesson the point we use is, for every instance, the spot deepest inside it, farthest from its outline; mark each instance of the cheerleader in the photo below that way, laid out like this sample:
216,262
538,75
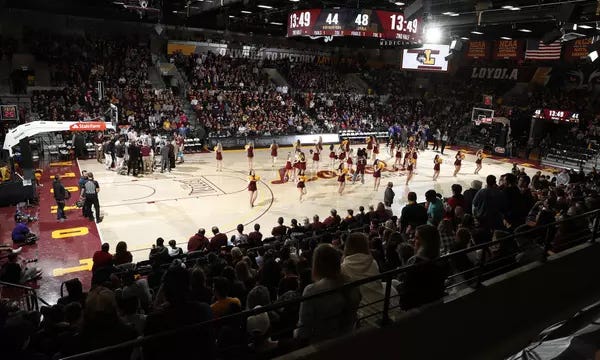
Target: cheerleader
301,185
342,171
410,169
250,155
458,161
414,157
316,156
349,161
437,160
320,144
398,157
288,167
301,163
391,146
377,167
332,156
407,156
375,148
369,146
297,146
274,147
252,179
219,154
346,145
341,156
480,155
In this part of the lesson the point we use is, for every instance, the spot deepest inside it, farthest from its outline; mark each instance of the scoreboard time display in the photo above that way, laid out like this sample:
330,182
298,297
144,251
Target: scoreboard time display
354,22
557,115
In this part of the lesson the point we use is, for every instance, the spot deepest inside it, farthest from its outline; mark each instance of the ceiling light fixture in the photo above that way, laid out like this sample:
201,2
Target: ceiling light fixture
574,27
264,6
584,26
524,30
505,38
246,12
295,0
514,8
507,7
276,23
399,3
464,38
593,56
231,16
476,32
433,35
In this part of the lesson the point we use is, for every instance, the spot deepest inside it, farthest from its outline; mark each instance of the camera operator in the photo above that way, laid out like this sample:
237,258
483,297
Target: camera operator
21,233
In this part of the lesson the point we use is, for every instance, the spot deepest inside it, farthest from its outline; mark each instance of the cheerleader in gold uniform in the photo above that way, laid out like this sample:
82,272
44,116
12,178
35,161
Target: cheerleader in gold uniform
377,168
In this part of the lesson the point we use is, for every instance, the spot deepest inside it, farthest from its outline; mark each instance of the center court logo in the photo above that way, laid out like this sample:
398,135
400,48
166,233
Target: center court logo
199,186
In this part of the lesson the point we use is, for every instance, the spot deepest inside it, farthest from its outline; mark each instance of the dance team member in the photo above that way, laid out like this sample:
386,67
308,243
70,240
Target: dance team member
332,156
288,167
316,156
437,160
391,146
349,161
346,145
410,168
458,161
301,163
398,157
369,146
377,167
219,154
375,148
342,171
252,179
301,185
250,155
361,164
414,157
480,155
274,147
342,155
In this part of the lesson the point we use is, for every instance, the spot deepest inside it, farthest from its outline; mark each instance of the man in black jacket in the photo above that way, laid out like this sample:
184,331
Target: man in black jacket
60,195
412,214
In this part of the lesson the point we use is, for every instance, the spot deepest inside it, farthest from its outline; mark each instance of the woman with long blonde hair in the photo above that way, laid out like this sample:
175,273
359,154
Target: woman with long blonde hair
480,155
219,155
437,160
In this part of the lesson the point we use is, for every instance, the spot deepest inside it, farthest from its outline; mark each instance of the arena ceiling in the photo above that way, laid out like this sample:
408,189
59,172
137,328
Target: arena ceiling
525,18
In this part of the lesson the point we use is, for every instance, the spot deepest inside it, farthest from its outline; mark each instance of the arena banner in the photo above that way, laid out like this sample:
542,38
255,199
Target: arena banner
478,50
508,49
250,52
578,49
266,141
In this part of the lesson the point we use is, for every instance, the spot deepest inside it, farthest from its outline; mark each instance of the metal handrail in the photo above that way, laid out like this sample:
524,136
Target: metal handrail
31,294
385,276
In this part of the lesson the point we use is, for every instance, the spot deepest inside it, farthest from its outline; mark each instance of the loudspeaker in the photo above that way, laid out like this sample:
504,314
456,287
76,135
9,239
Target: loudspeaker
26,156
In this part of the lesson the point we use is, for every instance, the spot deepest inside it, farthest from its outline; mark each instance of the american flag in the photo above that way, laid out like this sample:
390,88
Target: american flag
536,50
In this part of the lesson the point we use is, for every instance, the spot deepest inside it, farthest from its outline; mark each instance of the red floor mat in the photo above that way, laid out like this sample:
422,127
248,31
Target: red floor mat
65,249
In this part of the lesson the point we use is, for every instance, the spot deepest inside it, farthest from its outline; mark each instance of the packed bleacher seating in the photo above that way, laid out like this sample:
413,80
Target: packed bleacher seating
506,224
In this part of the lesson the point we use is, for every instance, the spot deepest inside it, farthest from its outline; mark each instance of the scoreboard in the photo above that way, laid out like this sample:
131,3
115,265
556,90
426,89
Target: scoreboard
354,22
557,115
9,112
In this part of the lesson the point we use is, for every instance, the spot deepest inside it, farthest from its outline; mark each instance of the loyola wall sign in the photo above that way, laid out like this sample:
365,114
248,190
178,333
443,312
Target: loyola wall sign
495,73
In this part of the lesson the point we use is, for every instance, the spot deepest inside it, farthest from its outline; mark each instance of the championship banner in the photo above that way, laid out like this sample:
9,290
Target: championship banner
508,49
478,50
578,49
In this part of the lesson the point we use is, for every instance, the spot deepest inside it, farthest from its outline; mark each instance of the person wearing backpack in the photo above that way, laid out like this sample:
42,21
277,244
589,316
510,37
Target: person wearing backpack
60,195
90,194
